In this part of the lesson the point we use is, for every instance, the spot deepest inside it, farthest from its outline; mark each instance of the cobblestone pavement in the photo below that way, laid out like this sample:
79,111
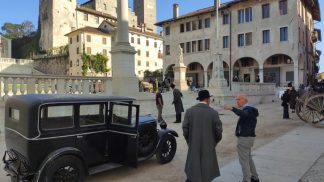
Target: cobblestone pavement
270,127
316,172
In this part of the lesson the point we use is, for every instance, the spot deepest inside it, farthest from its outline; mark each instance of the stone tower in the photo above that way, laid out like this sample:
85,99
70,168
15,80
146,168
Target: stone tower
145,10
106,6
56,18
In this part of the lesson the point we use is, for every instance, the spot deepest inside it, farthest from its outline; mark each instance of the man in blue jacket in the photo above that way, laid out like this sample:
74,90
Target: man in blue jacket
245,133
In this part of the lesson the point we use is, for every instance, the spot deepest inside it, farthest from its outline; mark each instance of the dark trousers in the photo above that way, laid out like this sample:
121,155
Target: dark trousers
285,112
178,117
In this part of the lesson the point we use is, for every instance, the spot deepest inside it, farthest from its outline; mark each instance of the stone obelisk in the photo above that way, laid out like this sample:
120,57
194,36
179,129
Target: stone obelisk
217,84
179,70
124,80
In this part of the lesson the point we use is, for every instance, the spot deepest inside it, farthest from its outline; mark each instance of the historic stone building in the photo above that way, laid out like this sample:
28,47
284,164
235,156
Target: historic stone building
100,40
5,47
270,41
65,17
60,17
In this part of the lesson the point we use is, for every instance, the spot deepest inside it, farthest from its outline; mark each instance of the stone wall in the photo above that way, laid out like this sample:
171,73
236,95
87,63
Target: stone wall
54,65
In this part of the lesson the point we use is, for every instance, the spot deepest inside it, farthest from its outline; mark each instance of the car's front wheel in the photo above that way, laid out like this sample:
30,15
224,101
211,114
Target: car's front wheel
167,150
64,169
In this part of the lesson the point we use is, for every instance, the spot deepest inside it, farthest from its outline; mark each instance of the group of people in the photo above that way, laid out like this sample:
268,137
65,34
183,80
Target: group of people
160,85
177,102
289,100
202,130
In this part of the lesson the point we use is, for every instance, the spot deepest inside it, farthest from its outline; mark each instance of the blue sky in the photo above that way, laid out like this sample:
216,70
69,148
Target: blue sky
16,11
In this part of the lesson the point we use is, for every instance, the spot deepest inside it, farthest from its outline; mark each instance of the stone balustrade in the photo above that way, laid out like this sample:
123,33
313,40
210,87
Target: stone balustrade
15,84
253,88
15,61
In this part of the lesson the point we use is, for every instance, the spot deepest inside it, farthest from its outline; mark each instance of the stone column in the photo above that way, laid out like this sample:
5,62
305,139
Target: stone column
206,79
296,74
122,22
124,81
261,73
180,76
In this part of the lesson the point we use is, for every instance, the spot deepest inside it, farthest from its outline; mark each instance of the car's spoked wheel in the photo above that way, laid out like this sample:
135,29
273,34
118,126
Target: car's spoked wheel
66,173
168,148
64,169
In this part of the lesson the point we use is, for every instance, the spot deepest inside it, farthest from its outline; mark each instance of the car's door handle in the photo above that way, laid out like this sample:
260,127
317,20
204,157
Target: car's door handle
79,136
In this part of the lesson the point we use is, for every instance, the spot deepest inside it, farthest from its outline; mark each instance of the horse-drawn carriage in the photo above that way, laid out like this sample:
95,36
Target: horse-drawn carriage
310,106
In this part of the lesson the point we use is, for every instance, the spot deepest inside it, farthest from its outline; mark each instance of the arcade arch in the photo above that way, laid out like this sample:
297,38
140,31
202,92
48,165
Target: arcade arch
246,69
278,69
210,69
169,73
195,73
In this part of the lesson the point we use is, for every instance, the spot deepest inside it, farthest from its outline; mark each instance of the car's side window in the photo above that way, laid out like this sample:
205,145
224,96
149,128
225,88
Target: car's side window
14,114
120,115
92,114
56,117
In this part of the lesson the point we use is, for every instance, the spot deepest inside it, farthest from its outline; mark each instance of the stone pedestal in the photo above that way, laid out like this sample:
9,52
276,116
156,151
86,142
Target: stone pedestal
218,84
218,87
124,81
180,77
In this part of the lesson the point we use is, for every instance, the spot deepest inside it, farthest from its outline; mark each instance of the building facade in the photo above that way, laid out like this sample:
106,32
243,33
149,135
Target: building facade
65,17
59,17
100,40
5,47
270,41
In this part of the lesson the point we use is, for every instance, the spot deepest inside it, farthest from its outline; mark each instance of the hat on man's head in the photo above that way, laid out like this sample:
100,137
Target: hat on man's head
203,94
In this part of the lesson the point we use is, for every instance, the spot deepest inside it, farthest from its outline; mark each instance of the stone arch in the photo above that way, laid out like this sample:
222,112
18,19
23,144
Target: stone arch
225,67
278,69
245,69
195,73
169,73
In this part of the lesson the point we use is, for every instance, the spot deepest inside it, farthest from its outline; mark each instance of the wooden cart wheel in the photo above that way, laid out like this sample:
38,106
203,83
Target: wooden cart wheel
299,109
313,110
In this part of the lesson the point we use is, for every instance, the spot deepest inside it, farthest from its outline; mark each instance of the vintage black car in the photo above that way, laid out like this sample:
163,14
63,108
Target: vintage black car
66,137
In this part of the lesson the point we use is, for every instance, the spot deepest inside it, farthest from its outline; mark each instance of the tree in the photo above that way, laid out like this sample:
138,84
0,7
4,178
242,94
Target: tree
153,74
13,31
95,63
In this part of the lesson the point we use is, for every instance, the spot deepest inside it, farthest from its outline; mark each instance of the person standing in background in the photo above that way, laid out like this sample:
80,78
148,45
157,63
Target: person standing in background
177,95
159,104
284,104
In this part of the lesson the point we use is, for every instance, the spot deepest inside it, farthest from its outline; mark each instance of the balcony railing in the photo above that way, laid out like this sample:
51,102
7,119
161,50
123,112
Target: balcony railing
14,84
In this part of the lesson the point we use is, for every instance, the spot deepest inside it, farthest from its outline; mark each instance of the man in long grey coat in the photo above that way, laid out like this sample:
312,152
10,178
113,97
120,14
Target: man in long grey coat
202,130
177,95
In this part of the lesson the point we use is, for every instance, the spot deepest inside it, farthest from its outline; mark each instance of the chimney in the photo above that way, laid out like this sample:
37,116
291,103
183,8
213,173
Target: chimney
217,2
175,10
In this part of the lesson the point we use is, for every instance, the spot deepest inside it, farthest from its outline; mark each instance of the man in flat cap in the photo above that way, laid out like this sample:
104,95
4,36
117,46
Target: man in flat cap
202,130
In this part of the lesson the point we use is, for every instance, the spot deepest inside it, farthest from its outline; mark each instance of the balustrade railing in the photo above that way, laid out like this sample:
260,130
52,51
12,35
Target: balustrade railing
14,84
254,88
15,61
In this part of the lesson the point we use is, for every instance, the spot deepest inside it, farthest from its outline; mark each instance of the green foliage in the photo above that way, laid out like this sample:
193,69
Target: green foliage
153,74
14,31
25,39
95,63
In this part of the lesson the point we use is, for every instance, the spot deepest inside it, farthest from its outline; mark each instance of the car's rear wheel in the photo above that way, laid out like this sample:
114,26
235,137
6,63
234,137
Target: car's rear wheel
167,150
64,169
148,138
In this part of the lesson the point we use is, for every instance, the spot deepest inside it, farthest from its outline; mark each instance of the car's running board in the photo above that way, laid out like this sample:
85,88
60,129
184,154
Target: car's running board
103,167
